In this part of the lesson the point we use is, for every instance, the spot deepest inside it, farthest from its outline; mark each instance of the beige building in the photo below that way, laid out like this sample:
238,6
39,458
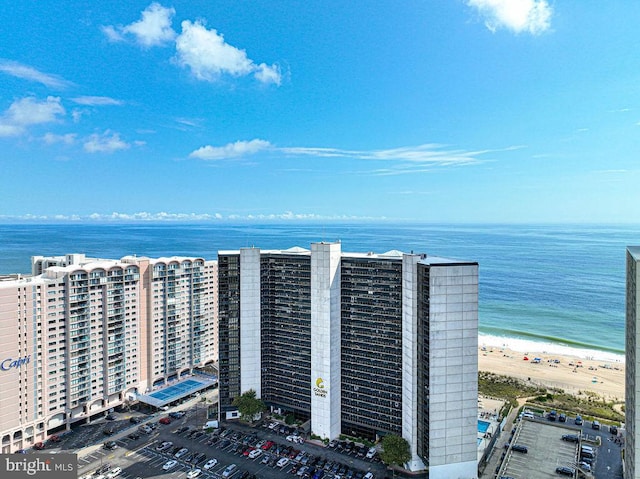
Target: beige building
85,335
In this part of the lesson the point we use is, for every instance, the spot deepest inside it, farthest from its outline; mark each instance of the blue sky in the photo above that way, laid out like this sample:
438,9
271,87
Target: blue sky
434,111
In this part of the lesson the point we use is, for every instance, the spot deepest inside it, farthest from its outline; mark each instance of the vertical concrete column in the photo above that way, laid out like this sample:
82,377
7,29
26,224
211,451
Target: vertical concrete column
250,346
453,370
410,357
325,340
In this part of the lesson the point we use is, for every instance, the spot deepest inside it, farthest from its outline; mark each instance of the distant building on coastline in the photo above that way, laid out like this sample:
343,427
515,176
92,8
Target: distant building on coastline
361,344
85,335
632,376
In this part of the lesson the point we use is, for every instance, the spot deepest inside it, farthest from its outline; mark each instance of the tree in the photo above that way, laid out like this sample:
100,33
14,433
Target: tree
249,405
395,450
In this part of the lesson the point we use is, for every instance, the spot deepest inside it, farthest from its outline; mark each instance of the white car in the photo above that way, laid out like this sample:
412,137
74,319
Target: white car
368,475
114,472
229,470
282,462
169,465
164,446
192,474
181,452
371,452
210,463
255,453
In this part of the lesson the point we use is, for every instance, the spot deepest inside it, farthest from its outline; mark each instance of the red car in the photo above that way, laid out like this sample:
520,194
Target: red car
39,446
268,445
247,451
165,420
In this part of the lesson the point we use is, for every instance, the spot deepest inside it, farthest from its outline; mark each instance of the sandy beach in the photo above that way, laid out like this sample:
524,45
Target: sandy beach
574,374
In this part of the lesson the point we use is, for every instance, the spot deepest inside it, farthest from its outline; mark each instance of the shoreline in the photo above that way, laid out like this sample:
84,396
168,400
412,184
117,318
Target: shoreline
576,371
550,348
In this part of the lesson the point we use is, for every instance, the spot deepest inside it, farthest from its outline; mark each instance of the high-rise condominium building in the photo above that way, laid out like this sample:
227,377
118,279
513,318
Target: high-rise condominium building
361,344
85,335
632,366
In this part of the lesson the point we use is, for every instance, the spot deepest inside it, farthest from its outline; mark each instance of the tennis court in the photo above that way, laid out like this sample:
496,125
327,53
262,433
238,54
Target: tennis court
176,391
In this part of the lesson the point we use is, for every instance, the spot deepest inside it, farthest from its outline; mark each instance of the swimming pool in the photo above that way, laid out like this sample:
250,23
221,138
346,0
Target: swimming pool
483,426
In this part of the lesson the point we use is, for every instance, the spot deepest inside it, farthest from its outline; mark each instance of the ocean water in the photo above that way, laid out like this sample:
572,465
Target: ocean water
556,286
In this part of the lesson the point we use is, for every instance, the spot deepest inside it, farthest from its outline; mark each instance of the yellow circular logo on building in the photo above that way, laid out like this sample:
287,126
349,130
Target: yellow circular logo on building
320,383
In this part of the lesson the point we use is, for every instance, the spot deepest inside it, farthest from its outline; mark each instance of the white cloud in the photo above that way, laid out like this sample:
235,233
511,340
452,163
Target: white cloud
153,28
144,216
112,34
29,111
231,150
532,16
268,74
209,57
96,101
106,142
29,73
51,138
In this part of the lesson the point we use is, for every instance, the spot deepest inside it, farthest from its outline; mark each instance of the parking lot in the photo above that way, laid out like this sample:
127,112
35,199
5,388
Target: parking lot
258,452
547,452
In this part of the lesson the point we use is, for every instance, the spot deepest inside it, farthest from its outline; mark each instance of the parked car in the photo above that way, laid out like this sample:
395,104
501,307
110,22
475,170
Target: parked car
231,468
134,420
169,465
39,446
595,425
578,420
210,463
181,452
109,431
164,446
371,452
282,462
134,435
192,474
562,417
255,453
165,420
570,437
114,472
565,471
613,430
110,445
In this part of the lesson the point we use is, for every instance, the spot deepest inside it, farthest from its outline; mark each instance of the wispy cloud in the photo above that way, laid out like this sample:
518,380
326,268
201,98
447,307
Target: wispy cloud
519,16
26,72
29,111
208,56
153,28
96,101
426,154
67,139
106,142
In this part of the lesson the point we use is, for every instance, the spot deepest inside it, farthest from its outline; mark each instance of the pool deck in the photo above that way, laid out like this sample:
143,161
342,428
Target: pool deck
488,410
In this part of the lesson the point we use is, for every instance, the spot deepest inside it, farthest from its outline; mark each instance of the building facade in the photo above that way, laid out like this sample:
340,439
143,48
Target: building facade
632,367
361,344
87,335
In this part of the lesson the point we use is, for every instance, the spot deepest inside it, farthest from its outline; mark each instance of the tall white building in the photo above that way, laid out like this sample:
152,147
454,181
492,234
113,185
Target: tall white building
88,334
632,366
362,344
